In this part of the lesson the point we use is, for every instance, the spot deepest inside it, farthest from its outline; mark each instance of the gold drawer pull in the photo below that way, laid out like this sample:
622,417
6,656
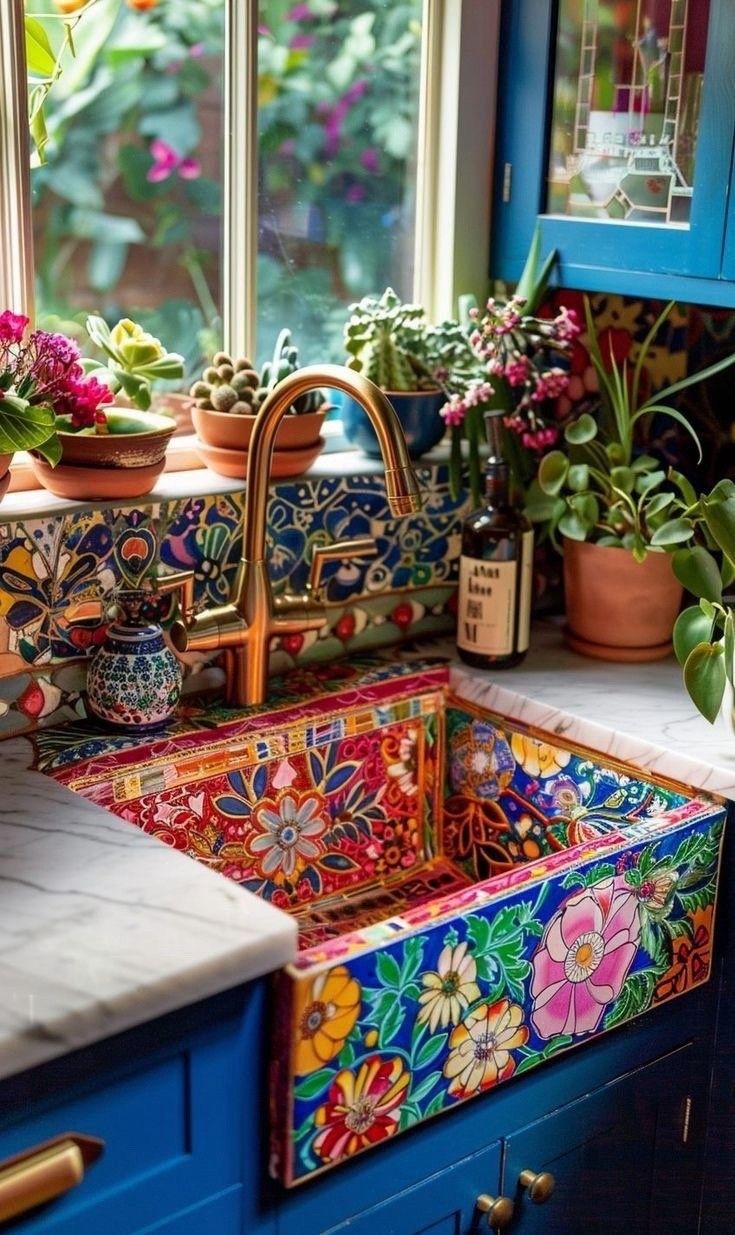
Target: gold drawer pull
540,1186
498,1210
49,1170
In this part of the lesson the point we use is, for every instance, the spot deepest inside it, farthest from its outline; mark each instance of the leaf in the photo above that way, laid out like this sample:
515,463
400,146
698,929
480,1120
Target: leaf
691,628
391,1023
673,532
429,1051
730,647
625,478
634,998
260,781
705,678
39,54
435,1106
649,480
23,426
314,1084
426,1086
387,970
234,807
578,477
572,526
672,414
718,508
582,430
337,862
698,571
340,776
413,955
552,472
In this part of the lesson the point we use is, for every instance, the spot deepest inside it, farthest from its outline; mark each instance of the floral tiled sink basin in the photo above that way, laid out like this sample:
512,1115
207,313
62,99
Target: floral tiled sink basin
473,899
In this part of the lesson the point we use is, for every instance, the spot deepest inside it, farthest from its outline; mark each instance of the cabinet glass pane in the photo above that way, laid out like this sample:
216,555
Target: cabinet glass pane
626,101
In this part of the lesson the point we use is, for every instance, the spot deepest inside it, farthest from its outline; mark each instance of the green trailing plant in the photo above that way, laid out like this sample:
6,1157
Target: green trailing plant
234,385
389,342
704,634
598,488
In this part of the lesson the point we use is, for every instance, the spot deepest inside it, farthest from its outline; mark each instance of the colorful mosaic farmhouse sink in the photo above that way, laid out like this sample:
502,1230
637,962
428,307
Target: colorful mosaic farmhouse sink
472,898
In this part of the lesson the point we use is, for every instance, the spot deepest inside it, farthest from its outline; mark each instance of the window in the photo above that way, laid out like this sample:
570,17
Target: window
355,153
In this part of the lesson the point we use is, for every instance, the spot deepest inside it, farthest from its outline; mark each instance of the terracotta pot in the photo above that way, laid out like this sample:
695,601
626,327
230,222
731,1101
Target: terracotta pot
5,461
120,449
227,432
617,608
83,484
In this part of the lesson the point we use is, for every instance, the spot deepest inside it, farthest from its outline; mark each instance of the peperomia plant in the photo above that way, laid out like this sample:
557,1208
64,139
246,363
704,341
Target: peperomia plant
599,489
704,634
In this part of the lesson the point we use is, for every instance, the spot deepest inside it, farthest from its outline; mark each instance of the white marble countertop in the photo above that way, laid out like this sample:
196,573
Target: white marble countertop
638,713
103,928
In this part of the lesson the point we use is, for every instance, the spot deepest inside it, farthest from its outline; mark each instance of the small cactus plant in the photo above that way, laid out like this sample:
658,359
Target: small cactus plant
236,387
388,341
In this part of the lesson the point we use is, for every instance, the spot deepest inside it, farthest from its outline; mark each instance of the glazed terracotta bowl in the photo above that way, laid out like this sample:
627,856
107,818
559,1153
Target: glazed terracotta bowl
137,439
92,484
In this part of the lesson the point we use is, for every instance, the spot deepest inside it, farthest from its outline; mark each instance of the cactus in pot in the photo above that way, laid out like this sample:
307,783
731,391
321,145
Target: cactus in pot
387,340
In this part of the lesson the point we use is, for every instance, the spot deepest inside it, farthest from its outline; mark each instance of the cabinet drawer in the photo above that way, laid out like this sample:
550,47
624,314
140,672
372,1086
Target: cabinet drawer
171,1129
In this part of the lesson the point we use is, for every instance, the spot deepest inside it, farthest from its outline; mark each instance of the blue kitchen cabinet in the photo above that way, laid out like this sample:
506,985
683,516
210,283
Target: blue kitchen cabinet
692,260
182,1106
174,1103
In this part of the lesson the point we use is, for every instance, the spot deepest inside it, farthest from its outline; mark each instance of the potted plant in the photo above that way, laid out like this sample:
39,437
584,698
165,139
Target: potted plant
704,634
108,451
28,382
617,516
227,398
394,345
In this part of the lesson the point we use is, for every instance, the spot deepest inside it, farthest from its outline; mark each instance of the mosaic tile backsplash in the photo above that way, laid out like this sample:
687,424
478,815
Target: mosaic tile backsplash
54,570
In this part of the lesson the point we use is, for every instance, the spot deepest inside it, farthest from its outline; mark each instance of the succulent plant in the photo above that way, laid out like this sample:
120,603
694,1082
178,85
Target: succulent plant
235,386
134,359
389,342
228,385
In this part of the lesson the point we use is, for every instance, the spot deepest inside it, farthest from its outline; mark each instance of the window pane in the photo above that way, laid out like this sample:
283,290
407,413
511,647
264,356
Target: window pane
127,207
338,121
627,92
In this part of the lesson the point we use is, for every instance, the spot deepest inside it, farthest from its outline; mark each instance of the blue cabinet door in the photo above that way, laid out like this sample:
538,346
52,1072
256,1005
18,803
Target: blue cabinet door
443,1204
690,262
627,1158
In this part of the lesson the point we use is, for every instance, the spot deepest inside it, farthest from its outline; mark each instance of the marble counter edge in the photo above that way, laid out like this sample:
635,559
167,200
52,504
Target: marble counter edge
103,928
577,726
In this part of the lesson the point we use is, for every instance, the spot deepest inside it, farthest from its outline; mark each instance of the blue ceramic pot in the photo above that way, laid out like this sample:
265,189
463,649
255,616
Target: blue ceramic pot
418,412
134,680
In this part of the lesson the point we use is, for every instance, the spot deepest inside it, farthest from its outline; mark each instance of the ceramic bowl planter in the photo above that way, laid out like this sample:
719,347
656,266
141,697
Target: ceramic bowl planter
418,412
617,608
124,463
223,440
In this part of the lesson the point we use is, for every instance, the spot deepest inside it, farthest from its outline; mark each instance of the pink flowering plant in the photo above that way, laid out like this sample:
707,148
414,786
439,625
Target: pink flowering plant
505,356
41,376
46,386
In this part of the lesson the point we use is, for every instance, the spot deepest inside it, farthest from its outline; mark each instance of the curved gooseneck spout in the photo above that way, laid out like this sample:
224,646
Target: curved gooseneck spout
244,627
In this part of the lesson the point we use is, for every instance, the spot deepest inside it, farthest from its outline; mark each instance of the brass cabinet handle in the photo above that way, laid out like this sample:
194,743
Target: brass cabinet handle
540,1185
48,1170
497,1209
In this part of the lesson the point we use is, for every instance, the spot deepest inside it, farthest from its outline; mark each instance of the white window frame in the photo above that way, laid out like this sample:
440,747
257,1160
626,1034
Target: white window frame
453,166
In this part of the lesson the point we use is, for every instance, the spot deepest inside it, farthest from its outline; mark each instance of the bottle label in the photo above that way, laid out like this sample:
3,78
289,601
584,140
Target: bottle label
487,602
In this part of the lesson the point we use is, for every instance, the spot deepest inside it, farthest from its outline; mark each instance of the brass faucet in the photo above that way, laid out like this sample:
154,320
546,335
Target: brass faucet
244,627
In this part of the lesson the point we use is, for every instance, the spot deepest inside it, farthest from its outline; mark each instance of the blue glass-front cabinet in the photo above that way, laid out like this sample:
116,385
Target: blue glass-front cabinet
616,130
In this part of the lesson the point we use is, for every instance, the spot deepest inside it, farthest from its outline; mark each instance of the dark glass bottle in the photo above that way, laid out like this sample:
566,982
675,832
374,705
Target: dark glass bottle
495,572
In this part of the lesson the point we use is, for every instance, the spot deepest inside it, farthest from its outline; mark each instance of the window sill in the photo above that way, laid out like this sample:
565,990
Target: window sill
183,479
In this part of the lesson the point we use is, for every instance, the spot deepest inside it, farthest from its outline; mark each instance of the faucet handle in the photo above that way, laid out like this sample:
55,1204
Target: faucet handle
338,550
182,583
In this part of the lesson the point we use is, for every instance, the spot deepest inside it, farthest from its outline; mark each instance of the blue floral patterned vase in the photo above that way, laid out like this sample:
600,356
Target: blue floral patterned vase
134,680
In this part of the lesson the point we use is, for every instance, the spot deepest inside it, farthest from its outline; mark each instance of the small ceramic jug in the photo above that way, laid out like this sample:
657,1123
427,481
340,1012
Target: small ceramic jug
134,680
